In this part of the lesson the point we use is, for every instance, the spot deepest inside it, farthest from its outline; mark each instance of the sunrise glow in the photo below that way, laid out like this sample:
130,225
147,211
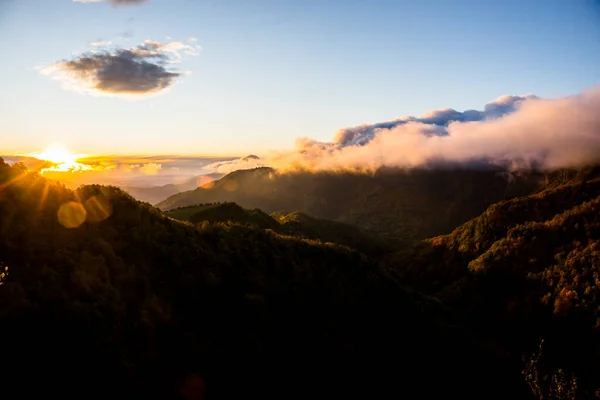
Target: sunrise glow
57,154
62,159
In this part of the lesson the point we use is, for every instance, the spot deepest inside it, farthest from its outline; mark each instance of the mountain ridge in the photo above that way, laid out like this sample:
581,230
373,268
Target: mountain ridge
399,204
290,224
133,302
155,194
525,271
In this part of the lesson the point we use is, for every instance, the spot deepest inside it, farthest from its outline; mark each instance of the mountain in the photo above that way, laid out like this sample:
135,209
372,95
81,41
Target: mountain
396,203
154,194
224,212
290,224
527,270
302,225
103,296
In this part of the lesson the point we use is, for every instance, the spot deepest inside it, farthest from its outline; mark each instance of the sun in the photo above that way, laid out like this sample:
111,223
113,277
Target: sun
57,154
62,159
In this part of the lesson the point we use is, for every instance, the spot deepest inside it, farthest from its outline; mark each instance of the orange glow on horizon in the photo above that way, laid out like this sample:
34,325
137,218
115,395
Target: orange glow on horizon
57,154
63,159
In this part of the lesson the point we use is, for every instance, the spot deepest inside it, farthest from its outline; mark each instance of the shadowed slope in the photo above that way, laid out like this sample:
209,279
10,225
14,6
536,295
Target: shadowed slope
525,270
400,204
131,303
291,224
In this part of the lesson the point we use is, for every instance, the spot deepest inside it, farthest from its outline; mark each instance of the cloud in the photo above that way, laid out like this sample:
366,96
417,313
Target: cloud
138,71
101,43
150,169
442,117
115,2
122,170
174,48
227,166
511,131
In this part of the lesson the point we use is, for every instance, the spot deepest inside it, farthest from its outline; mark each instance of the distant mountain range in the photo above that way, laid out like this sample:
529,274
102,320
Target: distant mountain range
155,194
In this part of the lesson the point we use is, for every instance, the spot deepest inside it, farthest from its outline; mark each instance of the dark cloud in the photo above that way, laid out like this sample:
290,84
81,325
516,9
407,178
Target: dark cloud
139,71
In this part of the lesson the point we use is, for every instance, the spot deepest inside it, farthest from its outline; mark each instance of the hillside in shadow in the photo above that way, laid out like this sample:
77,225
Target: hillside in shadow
399,204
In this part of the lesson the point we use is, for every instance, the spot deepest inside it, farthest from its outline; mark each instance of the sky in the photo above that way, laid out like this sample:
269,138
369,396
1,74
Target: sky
235,77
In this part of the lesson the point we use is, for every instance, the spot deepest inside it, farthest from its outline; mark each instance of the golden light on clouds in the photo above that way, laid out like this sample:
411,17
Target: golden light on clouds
57,154
62,158
150,169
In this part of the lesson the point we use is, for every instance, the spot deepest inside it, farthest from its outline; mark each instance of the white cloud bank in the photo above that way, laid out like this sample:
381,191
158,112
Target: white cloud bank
514,131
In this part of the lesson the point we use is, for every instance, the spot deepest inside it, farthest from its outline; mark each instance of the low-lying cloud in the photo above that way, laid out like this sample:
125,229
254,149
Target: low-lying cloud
115,2
227,166
512,131
130,171
135,72
150,169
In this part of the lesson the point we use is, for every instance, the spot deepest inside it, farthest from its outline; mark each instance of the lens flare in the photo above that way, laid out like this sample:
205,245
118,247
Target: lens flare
71,214
98,208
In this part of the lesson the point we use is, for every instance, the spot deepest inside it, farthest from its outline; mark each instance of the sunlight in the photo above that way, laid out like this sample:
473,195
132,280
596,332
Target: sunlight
57,154
62,159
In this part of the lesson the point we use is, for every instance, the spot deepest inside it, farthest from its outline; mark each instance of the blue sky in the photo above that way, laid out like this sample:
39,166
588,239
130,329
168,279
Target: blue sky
273,70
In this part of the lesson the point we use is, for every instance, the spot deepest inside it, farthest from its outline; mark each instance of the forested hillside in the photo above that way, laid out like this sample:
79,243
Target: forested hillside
154,194
524,271
400,204
103,296
312,200
291,224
